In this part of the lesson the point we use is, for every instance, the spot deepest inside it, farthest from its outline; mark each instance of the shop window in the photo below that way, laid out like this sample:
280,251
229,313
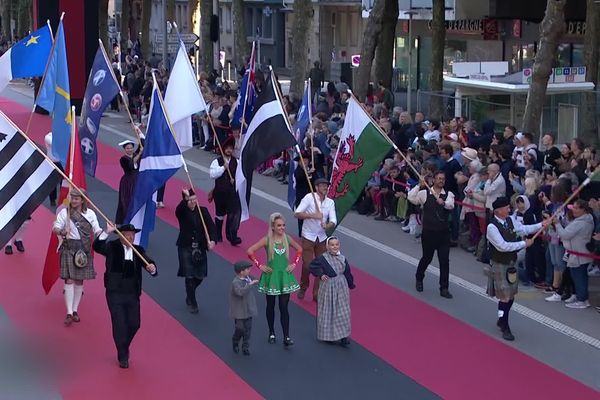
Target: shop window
578,58
455,51
563,55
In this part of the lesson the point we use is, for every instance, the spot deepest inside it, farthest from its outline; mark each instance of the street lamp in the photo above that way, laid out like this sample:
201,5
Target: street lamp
410,14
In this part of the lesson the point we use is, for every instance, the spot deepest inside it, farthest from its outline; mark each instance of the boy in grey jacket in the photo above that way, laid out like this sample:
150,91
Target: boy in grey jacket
242,305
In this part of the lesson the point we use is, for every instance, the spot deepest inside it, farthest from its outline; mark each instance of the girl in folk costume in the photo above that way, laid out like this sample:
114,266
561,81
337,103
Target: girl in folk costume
130,164
276,280
333,313
77,226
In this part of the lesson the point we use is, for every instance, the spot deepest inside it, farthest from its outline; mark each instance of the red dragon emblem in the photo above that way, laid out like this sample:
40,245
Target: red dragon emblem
344,164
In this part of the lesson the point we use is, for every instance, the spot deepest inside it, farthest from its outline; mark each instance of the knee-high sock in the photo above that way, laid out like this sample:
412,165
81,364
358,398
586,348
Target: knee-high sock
503,310
69,294
77,293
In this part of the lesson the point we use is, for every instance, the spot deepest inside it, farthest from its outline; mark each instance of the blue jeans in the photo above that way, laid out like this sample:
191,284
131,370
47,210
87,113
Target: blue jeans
580,281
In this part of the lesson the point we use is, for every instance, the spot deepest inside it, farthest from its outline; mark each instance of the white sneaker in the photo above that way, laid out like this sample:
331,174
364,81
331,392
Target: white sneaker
578,304
160,204
554,298
406,228
594,271
571,299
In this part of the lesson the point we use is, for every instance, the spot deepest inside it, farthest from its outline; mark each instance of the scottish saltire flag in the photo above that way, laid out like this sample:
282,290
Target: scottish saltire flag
27,58
303,118
161,158
183,98
101,88
26,179
269,133
54,97
247,94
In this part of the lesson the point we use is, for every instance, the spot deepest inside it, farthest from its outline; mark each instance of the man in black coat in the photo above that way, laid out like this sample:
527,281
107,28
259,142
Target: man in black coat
123,283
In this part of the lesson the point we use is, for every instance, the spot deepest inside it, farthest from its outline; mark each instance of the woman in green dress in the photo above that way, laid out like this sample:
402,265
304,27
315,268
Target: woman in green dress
277,280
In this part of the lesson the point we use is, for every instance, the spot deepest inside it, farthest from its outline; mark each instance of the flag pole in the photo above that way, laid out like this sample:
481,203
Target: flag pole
74,186
287,121
112,73
566,202
45,72
312,136
382,133
185,167
243,121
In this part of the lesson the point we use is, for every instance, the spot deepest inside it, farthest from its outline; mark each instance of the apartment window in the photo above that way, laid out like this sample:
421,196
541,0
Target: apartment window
221,19
227,11
342,29
267,26
249,22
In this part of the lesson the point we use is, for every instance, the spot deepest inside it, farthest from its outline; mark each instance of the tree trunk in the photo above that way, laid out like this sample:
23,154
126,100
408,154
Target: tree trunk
24,12
590,133
146,14
6,13
192,7
103,24
206,45
438,42
300,40
367,53
125,26
240,42
171,11
384,54
551,30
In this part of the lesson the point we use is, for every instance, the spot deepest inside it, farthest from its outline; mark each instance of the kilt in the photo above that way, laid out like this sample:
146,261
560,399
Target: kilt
333,309
498,285
187,267
68,270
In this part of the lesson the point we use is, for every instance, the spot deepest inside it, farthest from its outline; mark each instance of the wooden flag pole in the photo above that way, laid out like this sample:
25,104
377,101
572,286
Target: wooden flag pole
243,121
74,186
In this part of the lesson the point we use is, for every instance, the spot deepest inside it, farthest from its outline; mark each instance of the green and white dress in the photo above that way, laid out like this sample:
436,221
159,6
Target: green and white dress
278,281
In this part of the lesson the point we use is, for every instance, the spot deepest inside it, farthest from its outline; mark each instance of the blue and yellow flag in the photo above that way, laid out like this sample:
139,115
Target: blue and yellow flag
27,58
54,97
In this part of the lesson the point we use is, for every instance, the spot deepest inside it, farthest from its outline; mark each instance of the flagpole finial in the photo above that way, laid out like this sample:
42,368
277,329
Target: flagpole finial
62,15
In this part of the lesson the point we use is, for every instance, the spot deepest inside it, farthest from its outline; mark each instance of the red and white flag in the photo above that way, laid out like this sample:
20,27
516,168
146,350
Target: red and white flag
74,170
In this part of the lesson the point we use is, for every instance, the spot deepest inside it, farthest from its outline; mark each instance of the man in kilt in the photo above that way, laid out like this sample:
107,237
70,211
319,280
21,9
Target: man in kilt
192,244
227,201
503,236
77,226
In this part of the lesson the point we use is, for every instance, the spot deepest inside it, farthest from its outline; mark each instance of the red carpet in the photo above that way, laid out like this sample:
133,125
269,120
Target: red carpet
440,352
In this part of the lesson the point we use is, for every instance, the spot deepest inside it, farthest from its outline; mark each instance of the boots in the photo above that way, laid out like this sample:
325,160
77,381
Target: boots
219,225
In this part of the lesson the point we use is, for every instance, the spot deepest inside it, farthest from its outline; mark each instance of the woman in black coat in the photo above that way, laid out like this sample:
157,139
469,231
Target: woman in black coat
192,244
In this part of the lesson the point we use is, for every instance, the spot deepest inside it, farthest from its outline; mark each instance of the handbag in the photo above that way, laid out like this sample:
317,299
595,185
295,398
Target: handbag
197,255
80,259
512,275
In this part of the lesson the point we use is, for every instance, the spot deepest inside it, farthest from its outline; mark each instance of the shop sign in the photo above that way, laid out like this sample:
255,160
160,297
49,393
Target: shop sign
576,28
516,28
355,60
527,73
479,77
463,25
569,74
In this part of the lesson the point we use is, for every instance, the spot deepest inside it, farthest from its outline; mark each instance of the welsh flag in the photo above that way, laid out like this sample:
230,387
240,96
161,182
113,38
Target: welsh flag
74,170
362,148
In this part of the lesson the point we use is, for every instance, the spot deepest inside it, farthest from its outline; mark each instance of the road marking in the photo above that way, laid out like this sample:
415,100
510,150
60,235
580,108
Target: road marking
456,280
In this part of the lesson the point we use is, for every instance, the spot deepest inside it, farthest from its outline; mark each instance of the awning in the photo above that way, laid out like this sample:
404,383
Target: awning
516,88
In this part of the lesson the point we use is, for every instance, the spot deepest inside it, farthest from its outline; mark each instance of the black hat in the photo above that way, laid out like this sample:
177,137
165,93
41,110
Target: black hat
320,181
187,193
500,202
305,155
241,265
129,228
229,142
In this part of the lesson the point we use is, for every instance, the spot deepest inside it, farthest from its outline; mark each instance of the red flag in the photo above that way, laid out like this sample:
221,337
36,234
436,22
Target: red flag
74,170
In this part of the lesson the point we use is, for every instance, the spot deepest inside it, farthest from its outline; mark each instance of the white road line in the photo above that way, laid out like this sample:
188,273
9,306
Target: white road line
521,309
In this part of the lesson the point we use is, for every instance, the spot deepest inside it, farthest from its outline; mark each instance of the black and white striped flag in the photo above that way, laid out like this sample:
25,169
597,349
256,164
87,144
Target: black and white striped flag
26,178
269,133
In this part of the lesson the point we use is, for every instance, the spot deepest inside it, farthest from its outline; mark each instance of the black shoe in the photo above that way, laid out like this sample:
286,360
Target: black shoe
380,218
272,339
124,364
345,342
8,250
76,317
19,246
236,347
245,351
453,244
507,334
53,203
236,241
419,286
287,342
445,293
193,308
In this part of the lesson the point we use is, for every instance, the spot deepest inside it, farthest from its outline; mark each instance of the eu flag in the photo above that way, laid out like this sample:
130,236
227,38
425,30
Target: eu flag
27,58
54,97
100,90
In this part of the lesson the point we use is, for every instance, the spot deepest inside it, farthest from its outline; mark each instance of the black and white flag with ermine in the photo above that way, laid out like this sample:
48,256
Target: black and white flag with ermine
26,179
268,134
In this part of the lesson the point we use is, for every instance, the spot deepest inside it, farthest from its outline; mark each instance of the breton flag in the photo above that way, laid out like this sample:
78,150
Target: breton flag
26,178
74,170
102,87
54,97
303,119
161,158
247,94
27,58
183,99
269,133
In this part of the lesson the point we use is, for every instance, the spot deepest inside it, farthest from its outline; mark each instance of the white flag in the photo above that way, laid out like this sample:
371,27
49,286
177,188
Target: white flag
183,99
